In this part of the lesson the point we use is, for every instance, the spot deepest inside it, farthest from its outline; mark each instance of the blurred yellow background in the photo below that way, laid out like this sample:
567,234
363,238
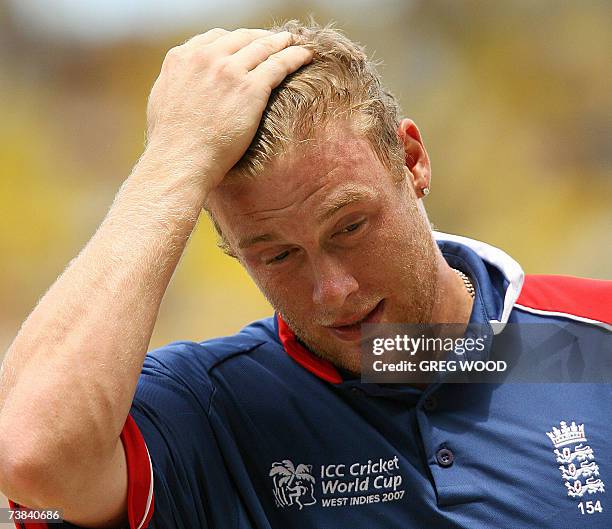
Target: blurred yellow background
513,100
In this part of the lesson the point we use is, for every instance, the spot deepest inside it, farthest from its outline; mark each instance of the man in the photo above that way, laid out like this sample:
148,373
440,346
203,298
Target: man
317,191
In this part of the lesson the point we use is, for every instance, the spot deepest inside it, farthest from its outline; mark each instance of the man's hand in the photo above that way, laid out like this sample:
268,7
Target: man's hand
207,102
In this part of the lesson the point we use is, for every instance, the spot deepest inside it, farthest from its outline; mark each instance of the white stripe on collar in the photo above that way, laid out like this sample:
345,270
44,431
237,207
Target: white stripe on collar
511,270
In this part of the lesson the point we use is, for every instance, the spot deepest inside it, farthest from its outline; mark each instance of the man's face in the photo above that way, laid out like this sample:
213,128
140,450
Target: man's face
333,240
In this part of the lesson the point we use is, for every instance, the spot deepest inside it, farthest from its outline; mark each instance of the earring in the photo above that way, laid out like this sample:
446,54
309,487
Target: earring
425,191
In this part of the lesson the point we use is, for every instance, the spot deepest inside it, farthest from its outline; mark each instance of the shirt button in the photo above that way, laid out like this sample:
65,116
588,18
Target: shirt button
430,403
445,457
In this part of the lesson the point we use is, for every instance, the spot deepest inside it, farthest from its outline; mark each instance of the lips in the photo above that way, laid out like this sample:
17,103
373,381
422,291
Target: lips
351,332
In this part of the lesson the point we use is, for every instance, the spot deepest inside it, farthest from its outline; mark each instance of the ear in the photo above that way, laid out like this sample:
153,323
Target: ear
416,157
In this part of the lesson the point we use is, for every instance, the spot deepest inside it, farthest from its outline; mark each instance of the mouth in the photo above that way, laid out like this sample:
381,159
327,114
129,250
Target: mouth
351,331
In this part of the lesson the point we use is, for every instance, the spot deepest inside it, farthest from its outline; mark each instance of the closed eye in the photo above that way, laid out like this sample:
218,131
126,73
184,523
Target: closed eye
351,227
278,258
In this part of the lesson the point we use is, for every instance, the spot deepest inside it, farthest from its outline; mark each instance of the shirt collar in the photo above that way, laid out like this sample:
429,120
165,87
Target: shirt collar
303,356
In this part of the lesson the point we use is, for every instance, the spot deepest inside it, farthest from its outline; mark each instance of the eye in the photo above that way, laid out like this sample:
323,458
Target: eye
351,227
278,258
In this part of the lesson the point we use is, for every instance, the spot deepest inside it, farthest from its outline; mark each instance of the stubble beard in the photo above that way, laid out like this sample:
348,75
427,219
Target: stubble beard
419,275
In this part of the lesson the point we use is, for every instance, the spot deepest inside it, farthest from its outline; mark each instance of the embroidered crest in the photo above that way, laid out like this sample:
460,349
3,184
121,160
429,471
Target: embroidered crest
578,468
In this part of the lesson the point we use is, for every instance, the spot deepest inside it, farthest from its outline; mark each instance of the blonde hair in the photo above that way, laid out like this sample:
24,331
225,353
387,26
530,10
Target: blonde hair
340,84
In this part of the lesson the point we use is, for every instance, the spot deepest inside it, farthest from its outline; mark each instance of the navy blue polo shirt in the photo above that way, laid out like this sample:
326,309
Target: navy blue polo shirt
254,431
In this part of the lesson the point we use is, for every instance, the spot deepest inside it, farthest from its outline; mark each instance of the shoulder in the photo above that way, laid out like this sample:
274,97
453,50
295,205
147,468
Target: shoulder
574,298
188,360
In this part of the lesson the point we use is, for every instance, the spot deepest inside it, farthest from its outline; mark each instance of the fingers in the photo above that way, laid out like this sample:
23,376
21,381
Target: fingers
232,42
248,48
256,52
205,38
276,67
225,42
198,41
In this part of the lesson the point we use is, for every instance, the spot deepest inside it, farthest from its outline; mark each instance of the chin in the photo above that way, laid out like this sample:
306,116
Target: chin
341,354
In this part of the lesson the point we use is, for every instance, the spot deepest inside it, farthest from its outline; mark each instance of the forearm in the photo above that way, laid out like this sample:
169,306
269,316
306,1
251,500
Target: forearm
69,376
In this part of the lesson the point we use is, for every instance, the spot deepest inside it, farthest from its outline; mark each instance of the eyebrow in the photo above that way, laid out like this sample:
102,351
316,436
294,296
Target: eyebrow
343,198
330,207
250,241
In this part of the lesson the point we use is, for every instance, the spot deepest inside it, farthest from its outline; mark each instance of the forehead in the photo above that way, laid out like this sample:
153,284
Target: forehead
301,178
339,150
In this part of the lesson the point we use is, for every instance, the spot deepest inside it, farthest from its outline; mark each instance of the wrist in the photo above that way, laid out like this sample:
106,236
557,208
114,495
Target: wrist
180,165
161,193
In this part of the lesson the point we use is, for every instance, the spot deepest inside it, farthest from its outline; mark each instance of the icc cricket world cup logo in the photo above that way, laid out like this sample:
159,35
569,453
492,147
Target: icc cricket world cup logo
292,485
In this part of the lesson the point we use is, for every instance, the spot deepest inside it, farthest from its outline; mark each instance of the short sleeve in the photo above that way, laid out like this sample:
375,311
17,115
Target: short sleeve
175,467
140,483
192,486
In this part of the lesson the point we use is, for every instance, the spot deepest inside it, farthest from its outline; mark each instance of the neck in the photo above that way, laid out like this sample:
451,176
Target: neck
452,302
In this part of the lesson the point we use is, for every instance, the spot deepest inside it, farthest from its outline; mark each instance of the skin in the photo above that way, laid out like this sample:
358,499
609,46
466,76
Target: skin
377,248
68,379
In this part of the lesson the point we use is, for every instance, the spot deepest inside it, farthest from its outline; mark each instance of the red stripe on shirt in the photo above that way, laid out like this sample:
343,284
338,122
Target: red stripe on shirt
584,298
318,366
140,478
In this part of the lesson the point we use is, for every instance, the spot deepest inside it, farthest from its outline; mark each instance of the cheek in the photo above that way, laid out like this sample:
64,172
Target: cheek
386,239
286,292
394,246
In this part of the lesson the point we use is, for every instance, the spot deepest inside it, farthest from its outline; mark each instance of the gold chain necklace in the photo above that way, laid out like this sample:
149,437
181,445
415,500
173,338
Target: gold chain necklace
466,281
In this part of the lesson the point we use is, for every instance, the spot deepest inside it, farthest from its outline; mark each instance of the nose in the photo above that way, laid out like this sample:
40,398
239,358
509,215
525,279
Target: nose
333,283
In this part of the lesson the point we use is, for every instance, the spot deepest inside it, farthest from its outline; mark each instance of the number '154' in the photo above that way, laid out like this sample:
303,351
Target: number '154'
590,507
